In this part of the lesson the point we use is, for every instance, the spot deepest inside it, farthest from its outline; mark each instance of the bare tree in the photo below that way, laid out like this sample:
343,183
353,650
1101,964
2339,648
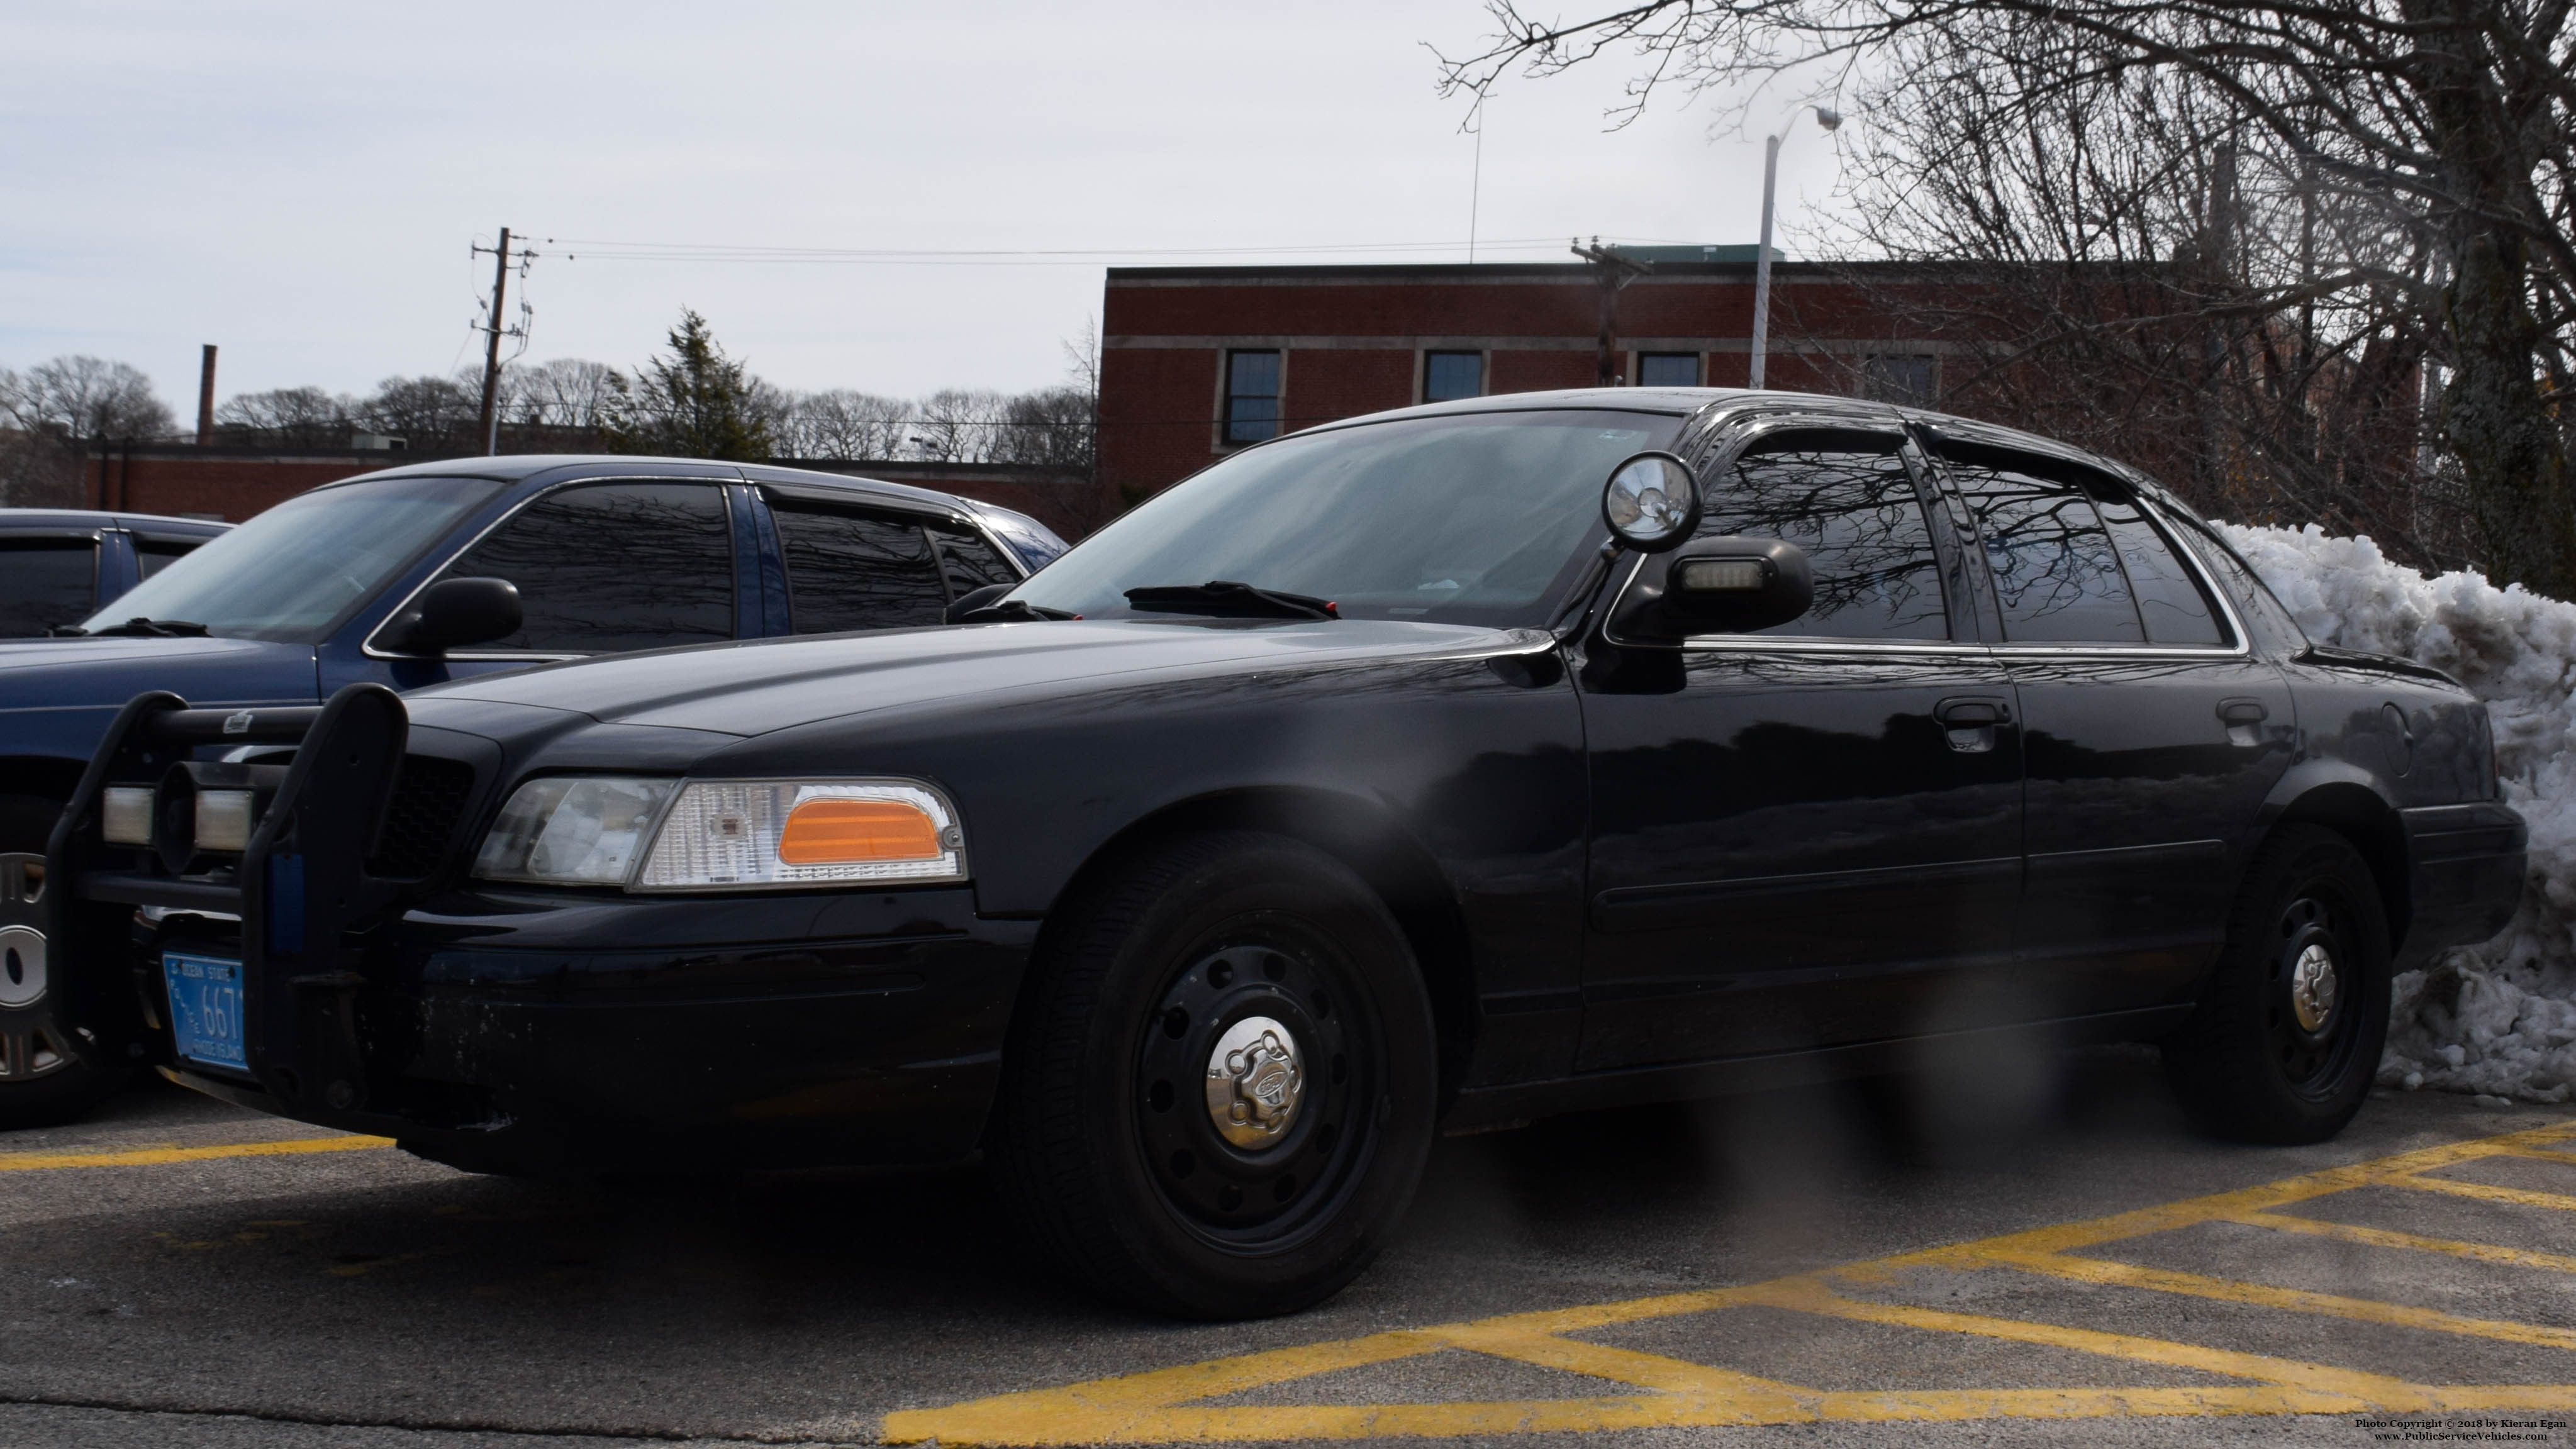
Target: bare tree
2114,272
843,425
286,417
426,411
87,397
2432,143
566,392
52,413
1052,427
959,425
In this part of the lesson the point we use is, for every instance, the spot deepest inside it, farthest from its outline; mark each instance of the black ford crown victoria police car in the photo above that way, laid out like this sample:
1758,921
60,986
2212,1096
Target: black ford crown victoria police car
1451,765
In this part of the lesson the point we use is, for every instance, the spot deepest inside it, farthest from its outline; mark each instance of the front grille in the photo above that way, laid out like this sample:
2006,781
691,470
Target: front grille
429,795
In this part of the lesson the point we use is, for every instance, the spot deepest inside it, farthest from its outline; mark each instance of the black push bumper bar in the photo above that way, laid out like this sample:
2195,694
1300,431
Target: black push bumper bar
300,887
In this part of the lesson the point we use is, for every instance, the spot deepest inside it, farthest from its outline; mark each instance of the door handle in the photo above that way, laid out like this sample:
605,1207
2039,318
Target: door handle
2244,721
1969,714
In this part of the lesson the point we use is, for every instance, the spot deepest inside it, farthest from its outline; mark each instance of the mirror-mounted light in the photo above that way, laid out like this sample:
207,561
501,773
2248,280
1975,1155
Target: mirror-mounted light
1651,502
1729,585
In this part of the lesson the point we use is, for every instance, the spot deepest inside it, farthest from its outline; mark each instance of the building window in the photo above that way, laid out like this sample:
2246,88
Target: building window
1452,374
1668,369
1251,396
1913,381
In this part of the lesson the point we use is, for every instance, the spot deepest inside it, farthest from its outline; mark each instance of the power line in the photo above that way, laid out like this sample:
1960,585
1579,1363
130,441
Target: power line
602,249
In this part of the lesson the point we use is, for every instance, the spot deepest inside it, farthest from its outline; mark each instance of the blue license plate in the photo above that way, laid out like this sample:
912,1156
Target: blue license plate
205,1008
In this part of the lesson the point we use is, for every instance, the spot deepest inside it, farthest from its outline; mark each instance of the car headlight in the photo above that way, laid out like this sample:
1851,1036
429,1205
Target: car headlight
573,830
723,834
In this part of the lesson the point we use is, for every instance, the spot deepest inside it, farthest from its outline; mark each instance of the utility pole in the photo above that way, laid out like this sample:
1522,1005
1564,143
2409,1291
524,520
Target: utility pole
1615,271
490,421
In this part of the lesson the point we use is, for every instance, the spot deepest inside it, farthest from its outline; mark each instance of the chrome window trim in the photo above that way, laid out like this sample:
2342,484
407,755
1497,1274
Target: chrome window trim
368,648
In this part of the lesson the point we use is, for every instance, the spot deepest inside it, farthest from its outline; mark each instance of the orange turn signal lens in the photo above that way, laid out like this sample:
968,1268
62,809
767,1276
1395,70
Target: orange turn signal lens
839,832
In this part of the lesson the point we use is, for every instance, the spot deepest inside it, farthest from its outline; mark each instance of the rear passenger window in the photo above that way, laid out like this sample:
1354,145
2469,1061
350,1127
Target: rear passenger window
45,583
969,562
151,556
2169,598
2057,576
614,566
1859,519
858,571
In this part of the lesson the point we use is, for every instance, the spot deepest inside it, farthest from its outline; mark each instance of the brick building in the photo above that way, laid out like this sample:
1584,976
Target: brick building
1196,361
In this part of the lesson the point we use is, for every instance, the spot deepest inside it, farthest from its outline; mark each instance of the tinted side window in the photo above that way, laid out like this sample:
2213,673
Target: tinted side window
855,571
614,566
2056,574
969,562
153,555
2169,598
45,583
1861,523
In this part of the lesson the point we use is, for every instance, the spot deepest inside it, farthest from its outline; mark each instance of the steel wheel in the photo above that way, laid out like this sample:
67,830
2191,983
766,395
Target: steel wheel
2312,1032
2286,1038
1246,1078
1219,1088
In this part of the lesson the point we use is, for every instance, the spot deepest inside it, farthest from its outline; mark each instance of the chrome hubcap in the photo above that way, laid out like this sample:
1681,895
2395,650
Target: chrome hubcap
22,965
1255,1082
2312,987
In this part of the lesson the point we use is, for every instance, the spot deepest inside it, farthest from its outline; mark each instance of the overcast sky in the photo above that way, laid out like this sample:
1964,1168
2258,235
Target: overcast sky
299,183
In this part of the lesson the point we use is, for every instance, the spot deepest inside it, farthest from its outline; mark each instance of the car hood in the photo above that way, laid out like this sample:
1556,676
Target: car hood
755,687
58,673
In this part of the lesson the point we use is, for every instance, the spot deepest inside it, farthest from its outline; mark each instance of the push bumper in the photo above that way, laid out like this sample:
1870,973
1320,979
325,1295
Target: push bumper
530,1031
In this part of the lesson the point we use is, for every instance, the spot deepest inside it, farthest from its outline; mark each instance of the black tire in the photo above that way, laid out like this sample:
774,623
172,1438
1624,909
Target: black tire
1106,1147
2256,1063
50,1072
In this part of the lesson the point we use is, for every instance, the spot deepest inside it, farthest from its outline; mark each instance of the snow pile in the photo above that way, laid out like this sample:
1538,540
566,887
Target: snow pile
2498,1018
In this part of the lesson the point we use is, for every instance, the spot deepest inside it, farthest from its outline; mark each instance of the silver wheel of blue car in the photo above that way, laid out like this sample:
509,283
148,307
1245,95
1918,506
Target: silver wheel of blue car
1217,1097
48,1071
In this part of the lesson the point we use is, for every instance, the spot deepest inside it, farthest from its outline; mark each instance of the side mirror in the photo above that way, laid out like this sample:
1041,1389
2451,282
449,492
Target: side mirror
453,613
1651,502
1720,586
969,602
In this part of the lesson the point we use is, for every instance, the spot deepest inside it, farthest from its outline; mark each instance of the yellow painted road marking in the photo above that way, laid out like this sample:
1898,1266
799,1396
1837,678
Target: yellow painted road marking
2103,1273
1169,1405
158,1156
2385,1238
2489,1192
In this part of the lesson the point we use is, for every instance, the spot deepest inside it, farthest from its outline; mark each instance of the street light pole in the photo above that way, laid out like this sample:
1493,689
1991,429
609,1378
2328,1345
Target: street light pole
1829,118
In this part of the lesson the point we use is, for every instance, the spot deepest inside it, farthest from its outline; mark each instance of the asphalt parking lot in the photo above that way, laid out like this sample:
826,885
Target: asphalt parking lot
1768,1270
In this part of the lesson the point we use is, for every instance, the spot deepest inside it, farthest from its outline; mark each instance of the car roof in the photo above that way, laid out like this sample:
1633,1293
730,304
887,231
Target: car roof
517,468
90,520
1723,404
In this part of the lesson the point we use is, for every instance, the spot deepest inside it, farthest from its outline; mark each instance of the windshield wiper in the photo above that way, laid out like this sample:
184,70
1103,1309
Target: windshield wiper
142,628
1010,611
1226,599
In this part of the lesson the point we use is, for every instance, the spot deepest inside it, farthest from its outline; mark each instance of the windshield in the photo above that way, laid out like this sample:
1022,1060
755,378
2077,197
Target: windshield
292,572
1474,518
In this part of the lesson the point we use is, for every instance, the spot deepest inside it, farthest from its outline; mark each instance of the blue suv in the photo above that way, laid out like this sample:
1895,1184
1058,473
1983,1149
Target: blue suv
442,570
